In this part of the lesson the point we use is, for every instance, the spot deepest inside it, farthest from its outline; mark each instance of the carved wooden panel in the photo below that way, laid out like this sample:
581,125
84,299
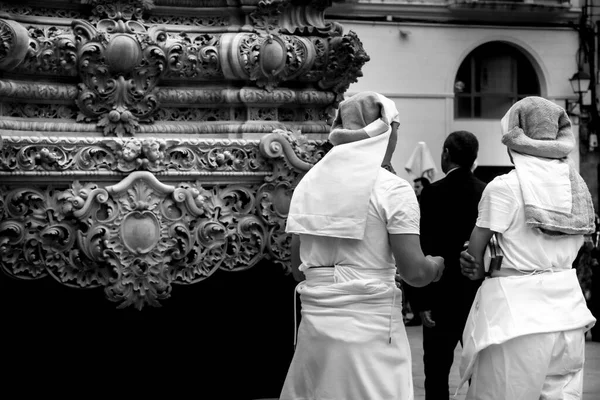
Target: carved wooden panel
150,143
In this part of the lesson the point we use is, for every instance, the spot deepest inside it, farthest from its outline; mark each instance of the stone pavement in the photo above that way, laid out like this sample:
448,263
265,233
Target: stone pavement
591,382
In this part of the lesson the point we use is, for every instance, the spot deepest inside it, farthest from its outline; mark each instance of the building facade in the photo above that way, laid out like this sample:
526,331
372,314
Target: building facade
460,65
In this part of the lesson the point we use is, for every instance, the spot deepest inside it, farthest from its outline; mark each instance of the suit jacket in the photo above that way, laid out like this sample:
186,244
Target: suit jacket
449,210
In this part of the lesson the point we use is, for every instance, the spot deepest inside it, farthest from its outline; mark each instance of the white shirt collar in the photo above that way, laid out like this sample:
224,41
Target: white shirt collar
453,169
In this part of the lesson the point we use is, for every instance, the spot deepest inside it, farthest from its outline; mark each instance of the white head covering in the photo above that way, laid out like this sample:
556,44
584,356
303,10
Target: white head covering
420,163
557,200
332,199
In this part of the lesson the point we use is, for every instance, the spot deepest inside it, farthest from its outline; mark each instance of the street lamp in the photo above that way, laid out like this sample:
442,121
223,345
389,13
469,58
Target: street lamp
580,83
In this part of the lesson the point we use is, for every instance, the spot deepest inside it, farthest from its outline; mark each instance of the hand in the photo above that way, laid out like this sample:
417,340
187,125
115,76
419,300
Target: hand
398,280
426,319
469,267
439,266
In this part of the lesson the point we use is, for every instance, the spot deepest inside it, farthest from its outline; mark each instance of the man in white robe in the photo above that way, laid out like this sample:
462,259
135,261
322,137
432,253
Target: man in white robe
355,227
525,336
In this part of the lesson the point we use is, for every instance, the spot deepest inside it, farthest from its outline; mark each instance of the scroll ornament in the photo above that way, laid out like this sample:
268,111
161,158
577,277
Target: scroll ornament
120,61
120,64
140,236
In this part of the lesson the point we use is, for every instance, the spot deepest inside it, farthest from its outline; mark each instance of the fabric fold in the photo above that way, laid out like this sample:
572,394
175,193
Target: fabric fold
332,199
510,307
538,134
420,162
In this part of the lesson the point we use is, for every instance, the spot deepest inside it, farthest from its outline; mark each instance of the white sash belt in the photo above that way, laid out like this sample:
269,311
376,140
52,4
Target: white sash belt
347,288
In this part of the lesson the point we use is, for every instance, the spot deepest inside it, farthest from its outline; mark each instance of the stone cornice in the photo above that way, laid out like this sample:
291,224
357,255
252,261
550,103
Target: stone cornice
496,12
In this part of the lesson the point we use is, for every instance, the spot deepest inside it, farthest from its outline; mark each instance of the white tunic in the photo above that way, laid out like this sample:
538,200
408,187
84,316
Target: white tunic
536,289
351,311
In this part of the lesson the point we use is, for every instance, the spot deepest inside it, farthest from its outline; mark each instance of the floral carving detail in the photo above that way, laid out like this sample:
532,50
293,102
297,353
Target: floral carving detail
345,61
120,65
316,72
18,9
189,20
31,110
119,9
308,18
297,151
137,154
193,57
52,50
37,91
266,15
88,235
219,203
194,114
36,239
271,59
126,155
7,38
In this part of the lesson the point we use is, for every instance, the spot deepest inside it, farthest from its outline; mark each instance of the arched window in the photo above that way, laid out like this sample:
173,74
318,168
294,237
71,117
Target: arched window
491,79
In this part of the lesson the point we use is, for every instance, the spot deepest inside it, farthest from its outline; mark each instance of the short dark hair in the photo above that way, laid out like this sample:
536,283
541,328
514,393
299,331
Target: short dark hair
424,181
462,147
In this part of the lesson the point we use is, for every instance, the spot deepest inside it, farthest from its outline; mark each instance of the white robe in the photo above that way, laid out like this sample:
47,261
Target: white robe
509,307
344,351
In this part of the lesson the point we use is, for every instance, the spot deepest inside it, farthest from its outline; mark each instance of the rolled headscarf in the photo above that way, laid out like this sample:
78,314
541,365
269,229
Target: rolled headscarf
332,199
539,136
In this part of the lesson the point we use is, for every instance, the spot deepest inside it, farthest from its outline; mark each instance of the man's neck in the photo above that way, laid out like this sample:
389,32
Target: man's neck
454,168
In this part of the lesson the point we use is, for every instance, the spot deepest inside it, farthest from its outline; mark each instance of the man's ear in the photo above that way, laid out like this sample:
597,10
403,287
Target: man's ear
445,153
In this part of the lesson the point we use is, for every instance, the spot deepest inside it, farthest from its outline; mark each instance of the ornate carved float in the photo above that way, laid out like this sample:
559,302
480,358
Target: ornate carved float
148,143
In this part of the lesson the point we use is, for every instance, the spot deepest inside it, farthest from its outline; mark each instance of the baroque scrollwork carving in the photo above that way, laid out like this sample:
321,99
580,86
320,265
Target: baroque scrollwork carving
32,110
20,9
52,51
37,91
344,64
266,15
204,21
127,155
272,58
120,65
14,44
136,156
119,9
192,57
138,237
304,17
120,61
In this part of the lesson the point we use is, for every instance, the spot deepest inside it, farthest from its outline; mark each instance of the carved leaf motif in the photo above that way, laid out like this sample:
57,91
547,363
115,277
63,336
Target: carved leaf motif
193,57
345,60
120,68
52,50
7,38
94,158
123,9
75,235
266,15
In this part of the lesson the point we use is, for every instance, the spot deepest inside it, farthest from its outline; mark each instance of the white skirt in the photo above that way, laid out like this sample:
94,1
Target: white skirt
509,307
352,344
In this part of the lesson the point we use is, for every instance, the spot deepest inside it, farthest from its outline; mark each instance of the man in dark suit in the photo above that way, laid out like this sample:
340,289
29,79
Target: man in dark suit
448,215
